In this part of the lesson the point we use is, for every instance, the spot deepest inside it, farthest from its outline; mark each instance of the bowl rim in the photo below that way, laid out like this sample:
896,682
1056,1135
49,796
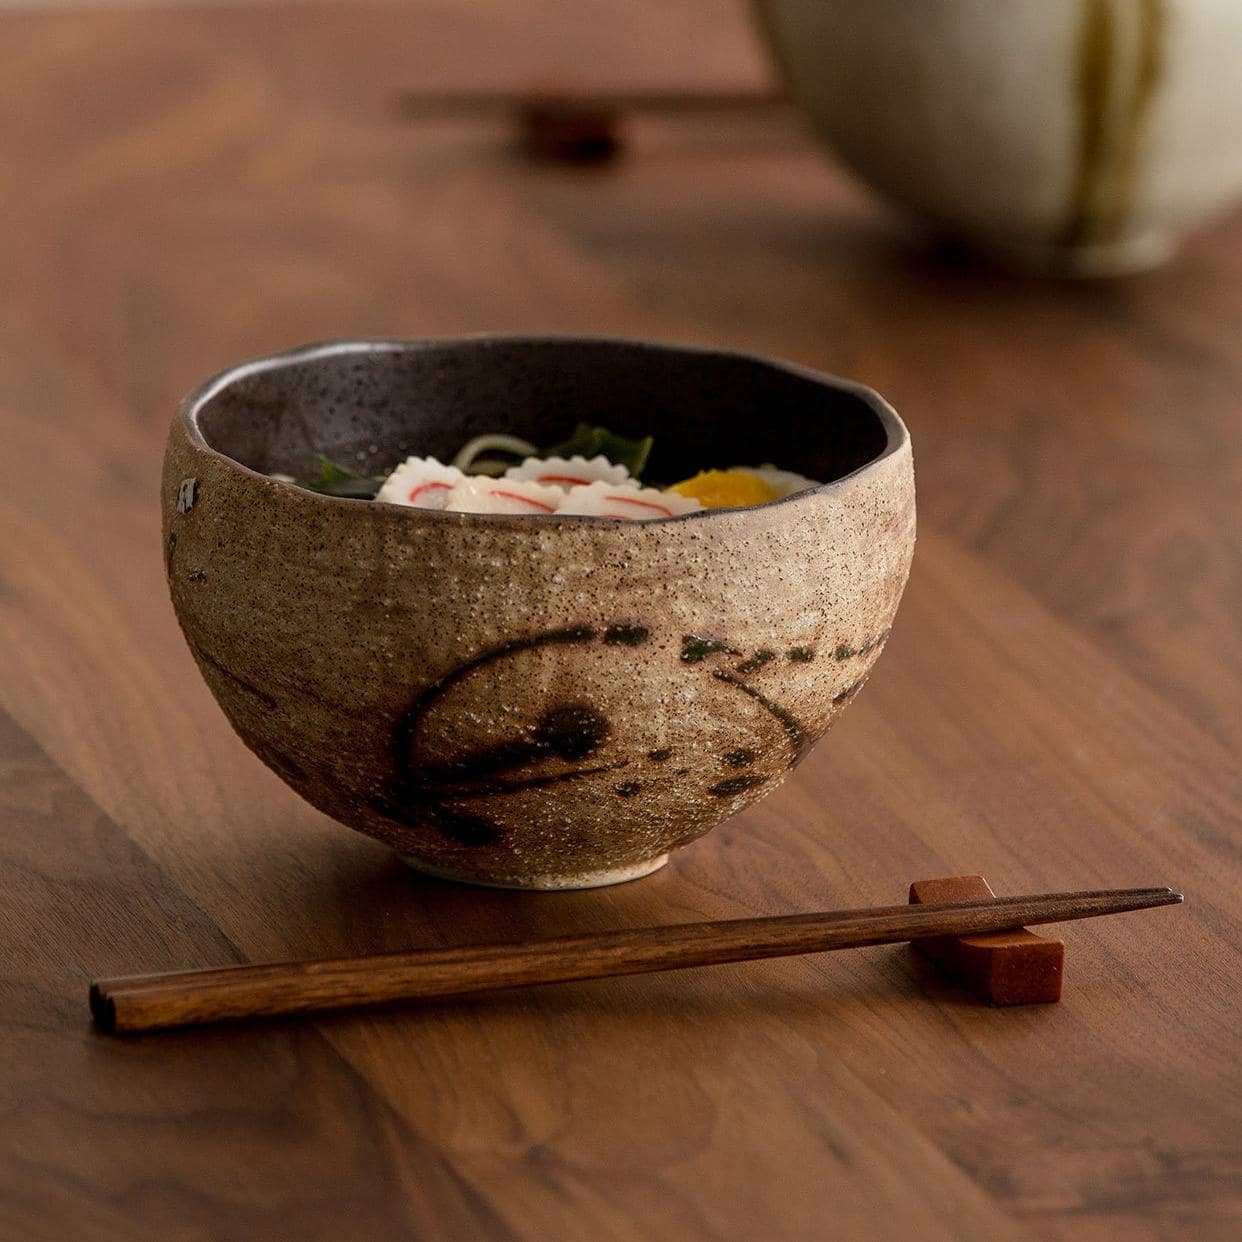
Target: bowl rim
896,435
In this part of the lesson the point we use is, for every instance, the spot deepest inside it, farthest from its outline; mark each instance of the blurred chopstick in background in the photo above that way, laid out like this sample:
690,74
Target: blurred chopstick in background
580,126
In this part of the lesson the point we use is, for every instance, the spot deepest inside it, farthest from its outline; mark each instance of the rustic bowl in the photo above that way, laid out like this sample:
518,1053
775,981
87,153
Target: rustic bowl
1069,137
532,702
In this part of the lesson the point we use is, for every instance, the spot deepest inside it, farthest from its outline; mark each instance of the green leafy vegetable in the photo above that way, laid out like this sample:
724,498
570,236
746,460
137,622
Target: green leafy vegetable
591,441
335,480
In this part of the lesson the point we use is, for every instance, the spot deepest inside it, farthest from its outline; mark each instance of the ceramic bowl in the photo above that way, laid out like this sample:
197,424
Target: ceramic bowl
532,702
1080,137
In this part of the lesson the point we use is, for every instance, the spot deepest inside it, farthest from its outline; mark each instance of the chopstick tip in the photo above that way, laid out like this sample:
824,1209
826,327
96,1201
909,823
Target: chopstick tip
1163,896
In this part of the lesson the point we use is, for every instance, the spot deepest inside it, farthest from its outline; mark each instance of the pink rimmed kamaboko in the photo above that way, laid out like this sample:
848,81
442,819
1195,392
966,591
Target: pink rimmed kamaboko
567,472
483,495
636,504
420,482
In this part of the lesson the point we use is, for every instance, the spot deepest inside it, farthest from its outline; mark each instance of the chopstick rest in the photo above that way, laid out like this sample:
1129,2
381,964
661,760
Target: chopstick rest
1014,967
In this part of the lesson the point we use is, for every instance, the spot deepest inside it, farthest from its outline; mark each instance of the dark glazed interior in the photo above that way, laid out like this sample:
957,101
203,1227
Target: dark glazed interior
370,409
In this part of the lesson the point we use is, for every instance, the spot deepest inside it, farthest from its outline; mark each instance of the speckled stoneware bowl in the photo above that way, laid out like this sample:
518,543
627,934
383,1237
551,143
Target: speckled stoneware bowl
1070,137
531,701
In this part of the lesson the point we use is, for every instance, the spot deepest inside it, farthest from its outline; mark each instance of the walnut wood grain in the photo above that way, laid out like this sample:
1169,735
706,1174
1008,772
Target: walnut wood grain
1058,706
95,1141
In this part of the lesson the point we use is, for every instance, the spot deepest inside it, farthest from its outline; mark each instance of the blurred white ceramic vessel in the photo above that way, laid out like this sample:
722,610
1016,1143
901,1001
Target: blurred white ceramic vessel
1069,136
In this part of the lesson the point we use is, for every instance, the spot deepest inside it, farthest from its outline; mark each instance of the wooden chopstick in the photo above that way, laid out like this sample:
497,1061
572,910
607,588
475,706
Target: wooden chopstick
187,998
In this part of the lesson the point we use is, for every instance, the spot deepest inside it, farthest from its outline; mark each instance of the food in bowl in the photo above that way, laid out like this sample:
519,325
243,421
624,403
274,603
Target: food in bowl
540,484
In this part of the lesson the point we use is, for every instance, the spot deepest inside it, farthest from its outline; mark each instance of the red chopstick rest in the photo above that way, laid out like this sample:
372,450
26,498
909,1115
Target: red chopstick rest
1002,968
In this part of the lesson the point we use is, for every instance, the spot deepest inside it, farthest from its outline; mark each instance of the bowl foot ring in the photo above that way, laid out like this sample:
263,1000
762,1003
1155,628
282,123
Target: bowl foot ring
545,883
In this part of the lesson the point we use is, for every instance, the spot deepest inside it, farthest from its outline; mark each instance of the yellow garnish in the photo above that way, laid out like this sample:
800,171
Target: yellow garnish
725,489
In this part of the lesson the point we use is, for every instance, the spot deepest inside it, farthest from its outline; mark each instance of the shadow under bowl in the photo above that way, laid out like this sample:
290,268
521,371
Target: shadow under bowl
532,702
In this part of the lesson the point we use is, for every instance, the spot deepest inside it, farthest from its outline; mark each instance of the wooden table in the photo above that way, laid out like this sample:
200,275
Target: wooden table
1059,706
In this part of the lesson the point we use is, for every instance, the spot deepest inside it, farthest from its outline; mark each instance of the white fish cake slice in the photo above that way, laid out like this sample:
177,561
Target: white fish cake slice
481,495
421,483
567,472
637,504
